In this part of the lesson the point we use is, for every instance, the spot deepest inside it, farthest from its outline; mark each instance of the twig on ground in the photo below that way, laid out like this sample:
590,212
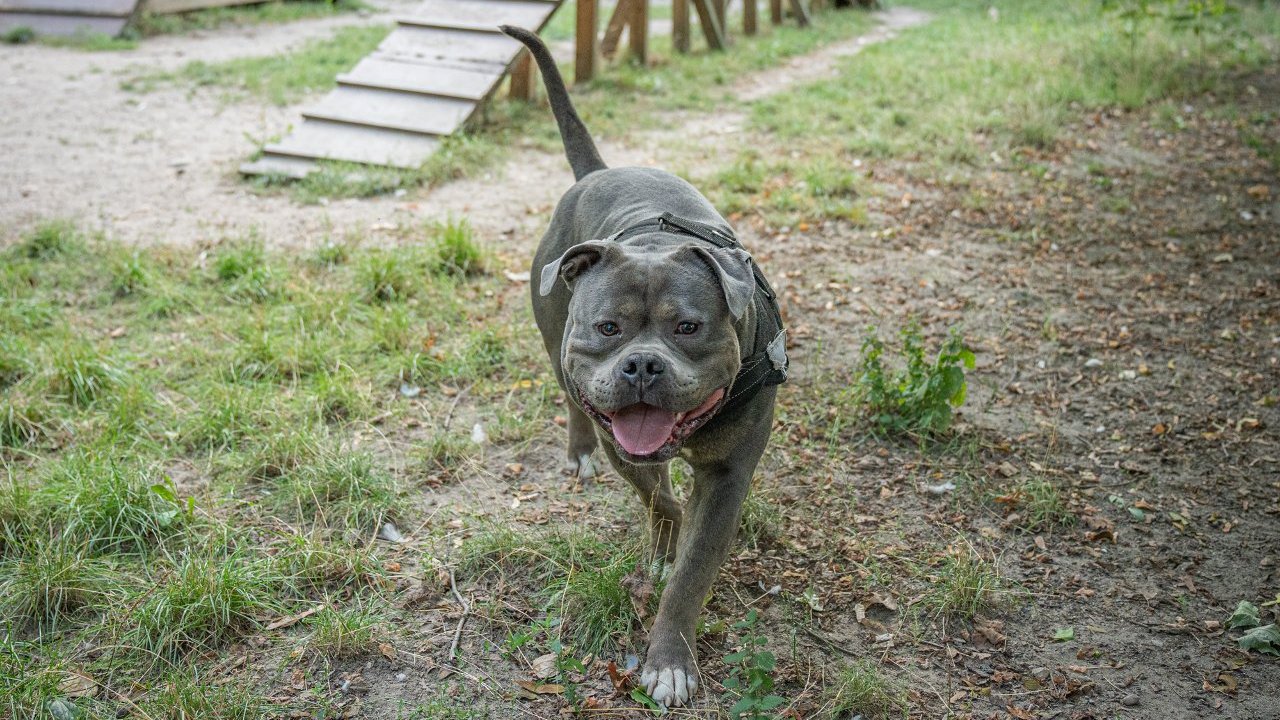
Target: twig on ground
466,610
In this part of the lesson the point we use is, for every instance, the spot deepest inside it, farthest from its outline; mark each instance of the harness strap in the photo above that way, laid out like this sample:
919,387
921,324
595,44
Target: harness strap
768,364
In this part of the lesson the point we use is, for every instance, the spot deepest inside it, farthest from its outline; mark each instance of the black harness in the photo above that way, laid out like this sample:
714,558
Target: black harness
768,364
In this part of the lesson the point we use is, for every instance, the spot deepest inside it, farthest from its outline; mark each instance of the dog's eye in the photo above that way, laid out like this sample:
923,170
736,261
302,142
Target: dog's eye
608,329
687,328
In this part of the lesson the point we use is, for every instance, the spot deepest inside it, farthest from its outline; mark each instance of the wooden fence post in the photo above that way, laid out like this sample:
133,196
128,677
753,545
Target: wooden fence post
584,62
712,27
775,12
639,34
522,78
748,17
680,25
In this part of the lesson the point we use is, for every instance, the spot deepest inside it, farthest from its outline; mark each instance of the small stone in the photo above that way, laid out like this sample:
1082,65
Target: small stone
1129,700
1093,363
1040,673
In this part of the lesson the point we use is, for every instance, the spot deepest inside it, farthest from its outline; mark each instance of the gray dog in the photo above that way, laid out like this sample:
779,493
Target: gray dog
667,341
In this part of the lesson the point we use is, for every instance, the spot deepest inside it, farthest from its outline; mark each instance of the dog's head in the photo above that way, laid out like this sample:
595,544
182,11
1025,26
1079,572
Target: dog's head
650,348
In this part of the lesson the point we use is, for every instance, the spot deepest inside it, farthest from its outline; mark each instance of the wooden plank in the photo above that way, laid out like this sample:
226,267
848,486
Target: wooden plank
395,110
114,8
447,25
680,25
775,12
280,165
712,30
524,78
801,12
584,62
44,24
457,48
638,35
622,14
421,77
524,13
168,7
749,21
324,140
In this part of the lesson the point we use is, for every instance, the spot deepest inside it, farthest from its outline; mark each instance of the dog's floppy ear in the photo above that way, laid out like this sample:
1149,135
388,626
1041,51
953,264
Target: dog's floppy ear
575,261
732,267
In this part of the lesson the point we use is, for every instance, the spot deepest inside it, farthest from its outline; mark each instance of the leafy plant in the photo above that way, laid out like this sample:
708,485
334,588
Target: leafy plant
920,397
751,674
1264,639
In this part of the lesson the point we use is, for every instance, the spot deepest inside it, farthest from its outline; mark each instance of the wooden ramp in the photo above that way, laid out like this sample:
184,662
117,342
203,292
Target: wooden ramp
105,17
424,82
67,17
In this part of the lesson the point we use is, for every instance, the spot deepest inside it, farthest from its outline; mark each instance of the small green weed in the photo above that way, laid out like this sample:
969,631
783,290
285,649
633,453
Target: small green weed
751,674
243,267
1043,506
920,397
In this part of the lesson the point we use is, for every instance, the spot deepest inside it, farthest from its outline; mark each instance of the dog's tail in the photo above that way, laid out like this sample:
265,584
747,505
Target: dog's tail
578,145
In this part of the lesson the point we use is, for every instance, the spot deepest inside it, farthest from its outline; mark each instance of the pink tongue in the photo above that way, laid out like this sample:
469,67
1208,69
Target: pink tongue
642,429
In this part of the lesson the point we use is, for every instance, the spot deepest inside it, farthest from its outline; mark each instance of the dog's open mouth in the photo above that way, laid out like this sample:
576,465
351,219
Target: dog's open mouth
642,430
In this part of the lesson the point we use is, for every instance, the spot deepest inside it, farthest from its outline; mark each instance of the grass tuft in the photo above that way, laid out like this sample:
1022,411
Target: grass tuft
455,251
81,373
339,489
962,584
51,578
208,599
861,690
338,633
51,239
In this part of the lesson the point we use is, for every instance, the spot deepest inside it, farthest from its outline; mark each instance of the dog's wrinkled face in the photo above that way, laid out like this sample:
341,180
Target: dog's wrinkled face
650,349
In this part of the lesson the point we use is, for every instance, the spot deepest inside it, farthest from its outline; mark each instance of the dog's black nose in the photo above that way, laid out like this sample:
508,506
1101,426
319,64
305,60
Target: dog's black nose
641,369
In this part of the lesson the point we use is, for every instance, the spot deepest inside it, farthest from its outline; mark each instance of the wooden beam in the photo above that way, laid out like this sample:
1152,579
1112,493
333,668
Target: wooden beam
749,17
523,78
801,12
584,62
712,29
639,32
775,12
680,25
622,15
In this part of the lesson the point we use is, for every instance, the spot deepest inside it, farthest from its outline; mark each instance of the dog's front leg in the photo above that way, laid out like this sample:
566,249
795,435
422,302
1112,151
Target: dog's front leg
711,516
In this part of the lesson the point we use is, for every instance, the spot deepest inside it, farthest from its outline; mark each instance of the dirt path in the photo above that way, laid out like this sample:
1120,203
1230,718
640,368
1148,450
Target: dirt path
170,156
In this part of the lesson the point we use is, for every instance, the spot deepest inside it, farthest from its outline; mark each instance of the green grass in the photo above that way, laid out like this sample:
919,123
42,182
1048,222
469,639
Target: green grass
274,12
962,584
574,574
346,632
166,489
276,79
860,689
208,599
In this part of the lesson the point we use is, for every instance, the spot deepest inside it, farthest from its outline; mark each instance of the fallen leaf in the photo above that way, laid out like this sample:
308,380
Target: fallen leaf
544,666
78,683
1064,634
1265,639
288,620
1245,616
541,688
387,651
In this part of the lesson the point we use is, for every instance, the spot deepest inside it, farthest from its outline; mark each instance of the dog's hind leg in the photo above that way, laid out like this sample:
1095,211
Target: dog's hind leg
582,444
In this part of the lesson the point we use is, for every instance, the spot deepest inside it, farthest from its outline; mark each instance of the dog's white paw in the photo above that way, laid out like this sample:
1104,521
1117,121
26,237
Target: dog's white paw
669,687
583,468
